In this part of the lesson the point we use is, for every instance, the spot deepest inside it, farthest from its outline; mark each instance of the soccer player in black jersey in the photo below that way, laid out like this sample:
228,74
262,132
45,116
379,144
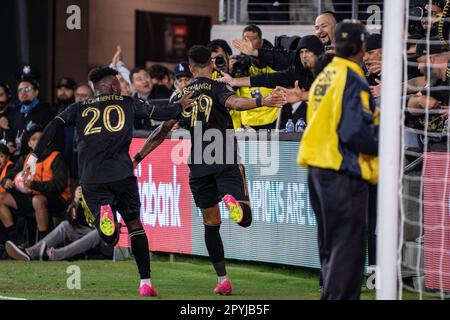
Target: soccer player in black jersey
105,128
222,179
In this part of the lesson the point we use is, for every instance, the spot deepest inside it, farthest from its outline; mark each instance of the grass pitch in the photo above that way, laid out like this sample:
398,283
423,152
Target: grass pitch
184,278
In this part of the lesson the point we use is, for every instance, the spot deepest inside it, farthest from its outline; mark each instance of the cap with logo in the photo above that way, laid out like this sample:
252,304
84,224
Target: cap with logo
351,32
29,74
182,70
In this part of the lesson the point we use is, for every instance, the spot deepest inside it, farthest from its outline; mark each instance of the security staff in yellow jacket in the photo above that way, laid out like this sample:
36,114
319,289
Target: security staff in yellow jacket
340,147
260,118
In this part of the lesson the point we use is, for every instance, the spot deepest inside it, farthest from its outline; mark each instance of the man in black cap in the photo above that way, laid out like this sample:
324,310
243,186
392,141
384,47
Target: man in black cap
65,94
183,75
372,61
32,110
339,148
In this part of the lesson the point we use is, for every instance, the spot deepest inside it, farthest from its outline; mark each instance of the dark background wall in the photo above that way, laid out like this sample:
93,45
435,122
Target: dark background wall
51,47
37,27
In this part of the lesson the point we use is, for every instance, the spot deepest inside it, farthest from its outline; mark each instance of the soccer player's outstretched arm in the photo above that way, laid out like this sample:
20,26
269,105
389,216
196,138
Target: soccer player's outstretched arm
154,140
66,118
162,113
275,99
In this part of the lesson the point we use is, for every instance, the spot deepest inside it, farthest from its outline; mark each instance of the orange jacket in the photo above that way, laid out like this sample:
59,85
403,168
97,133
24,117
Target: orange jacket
3,173
44,173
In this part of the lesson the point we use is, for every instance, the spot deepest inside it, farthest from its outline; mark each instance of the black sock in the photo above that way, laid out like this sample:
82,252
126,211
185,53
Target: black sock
139,247
11,233
247,218
42,234
215,249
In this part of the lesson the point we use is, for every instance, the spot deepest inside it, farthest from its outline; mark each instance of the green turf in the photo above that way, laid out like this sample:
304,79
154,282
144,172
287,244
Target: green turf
185,278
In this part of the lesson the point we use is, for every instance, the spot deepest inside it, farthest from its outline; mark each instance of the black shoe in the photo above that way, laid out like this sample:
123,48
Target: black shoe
17,252
43,256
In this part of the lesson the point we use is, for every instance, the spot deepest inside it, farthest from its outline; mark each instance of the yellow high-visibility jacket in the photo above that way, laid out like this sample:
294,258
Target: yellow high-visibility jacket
342,131
259,116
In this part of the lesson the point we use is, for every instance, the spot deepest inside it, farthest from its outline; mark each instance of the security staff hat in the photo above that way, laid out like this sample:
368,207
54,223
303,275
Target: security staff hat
351,32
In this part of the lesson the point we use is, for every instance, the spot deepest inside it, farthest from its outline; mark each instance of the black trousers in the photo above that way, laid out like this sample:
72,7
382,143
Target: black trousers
340,203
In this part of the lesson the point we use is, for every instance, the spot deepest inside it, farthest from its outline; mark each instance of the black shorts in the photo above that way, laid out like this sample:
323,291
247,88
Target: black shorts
122,196
209,190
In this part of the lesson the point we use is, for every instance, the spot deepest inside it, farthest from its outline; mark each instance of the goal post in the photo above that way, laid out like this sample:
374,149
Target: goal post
389,150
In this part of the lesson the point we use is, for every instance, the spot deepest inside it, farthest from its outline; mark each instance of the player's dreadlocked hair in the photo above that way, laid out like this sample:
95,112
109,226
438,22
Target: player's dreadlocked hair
200,56
97,74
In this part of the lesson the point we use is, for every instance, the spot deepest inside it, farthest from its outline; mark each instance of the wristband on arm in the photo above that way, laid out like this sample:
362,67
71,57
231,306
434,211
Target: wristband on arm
138,158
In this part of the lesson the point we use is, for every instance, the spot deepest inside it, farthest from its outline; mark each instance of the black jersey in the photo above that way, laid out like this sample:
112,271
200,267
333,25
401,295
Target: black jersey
206,120
105,128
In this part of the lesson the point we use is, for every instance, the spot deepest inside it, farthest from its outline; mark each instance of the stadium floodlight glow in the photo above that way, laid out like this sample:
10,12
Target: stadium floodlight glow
389,151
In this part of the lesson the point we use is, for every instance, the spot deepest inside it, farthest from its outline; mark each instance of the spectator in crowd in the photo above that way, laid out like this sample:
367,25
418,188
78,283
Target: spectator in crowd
161,83
325,26
242,65
125,88
8,111
183,76
372,64
68,240
306,55
47,191
220,56
432,14
435,97
32,111
141,82
83,92
65,94
339,130
309,50
416,79
118,65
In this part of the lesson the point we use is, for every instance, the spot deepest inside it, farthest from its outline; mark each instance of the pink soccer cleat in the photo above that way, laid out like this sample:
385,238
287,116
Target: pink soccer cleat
224,288
147,291
234,208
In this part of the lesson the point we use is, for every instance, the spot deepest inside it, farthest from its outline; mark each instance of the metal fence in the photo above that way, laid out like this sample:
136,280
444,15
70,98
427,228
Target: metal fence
297,11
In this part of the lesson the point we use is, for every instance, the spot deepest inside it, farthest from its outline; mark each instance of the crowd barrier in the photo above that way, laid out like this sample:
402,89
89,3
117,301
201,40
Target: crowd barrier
284,228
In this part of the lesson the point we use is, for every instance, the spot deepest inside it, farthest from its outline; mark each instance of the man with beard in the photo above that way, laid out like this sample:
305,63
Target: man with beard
32,111
325,26
65,94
